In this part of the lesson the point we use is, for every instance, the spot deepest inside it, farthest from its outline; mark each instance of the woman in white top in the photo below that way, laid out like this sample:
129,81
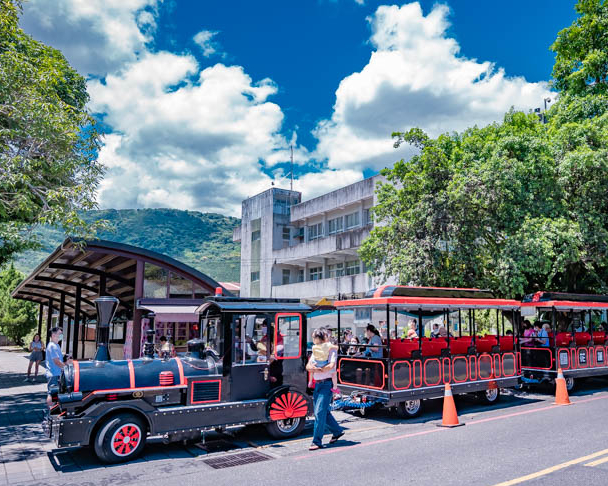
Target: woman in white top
36,349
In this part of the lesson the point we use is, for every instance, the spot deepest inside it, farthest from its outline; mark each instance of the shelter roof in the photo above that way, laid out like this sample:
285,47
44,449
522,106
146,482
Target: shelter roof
85,264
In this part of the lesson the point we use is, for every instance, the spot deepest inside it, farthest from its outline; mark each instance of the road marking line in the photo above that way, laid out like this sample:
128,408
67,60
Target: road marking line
599,461
551,469
365,444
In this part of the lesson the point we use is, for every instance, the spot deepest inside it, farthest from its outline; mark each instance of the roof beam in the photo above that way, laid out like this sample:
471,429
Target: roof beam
92,271
121,266
60,291
83,254
103,260
65,282
44,300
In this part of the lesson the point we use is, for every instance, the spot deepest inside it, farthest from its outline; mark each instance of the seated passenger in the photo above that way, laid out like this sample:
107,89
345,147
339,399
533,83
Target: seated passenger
375,342
528,340
443,332
435,331
509,332
411,332
353,349
542,334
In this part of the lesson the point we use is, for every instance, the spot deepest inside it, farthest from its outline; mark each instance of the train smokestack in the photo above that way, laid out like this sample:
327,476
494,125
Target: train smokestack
106,307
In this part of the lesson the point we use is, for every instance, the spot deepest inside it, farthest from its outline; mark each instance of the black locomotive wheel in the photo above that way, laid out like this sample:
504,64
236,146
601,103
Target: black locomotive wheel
120,438
288,414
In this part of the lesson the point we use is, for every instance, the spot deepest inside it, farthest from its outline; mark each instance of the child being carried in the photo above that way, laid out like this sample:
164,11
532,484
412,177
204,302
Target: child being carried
321,352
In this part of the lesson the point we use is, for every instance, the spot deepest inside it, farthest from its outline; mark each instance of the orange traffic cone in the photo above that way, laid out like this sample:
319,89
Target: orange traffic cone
450,416
561,393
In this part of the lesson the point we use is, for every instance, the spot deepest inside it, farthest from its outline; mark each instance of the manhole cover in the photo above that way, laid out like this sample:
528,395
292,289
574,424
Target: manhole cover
237,459
219,445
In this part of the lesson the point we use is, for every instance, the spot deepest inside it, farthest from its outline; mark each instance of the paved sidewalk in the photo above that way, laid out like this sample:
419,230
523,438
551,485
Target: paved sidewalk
23,447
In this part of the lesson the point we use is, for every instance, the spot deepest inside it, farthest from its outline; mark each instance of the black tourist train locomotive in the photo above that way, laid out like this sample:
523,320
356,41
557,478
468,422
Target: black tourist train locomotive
247,367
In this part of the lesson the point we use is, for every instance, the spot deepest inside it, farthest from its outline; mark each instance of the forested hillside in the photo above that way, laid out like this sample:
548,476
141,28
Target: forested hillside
201,240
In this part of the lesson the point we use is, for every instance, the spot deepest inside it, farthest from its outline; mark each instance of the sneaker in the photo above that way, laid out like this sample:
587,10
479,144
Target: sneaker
27,379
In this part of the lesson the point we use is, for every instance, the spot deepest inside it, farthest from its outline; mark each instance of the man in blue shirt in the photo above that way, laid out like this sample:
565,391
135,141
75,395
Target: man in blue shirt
542,334
54,362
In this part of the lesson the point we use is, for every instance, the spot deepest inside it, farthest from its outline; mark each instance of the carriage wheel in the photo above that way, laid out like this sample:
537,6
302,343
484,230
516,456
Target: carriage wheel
490,396
409,408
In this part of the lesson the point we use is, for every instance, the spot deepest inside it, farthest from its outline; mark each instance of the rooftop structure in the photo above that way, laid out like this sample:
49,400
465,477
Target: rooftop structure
307,249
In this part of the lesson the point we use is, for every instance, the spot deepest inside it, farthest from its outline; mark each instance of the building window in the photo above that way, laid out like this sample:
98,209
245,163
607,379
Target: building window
256,235
255,276
286,276
281,206
367,217
353,268
336,270
301,275
315,231
351,220
315,273
335,225
286,233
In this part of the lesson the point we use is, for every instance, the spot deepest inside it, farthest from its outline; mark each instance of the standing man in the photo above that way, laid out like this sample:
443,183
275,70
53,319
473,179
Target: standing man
54,362
322,395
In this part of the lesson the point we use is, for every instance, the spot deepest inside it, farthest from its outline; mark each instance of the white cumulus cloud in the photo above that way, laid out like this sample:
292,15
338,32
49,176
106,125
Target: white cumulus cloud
96,36
205,41
415,77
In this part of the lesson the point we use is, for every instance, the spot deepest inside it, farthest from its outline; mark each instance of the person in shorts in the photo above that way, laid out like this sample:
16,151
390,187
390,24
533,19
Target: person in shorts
36,349
54,362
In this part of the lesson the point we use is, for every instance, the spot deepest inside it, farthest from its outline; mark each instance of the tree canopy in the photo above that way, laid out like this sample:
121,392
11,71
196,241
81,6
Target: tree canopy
515,207
17,317
48,140
581,63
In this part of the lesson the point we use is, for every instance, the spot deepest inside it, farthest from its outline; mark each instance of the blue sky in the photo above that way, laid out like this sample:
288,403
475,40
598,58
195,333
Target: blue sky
202,99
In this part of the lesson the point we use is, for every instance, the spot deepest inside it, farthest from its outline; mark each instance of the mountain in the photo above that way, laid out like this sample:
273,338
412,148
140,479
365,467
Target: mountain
201,240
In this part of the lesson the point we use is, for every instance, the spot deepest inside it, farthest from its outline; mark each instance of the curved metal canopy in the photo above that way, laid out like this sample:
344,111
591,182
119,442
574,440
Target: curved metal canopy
99,267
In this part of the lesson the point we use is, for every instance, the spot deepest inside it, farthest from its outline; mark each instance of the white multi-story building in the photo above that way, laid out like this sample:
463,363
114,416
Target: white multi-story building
306,250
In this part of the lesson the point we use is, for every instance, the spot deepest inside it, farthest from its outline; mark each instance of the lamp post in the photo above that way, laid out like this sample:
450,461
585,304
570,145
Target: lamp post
106,307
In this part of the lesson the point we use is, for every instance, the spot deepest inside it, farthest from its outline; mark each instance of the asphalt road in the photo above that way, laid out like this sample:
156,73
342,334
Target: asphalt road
524,439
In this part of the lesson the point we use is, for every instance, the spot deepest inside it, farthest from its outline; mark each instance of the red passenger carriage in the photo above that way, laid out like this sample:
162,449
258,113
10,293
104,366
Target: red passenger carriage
576,339
410,370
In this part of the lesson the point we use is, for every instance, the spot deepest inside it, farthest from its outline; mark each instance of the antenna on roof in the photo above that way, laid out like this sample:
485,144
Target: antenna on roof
291,147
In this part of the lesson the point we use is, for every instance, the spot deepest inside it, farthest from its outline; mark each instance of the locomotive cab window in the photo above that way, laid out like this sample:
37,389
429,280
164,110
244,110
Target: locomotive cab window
250,339
212,335
288,333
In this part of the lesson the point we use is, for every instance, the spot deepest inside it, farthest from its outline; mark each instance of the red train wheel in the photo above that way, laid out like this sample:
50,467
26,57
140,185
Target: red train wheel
289,405
125,440
120,438
288,414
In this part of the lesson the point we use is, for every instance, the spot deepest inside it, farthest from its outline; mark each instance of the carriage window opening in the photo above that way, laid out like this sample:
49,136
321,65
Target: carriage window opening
288,334
250,339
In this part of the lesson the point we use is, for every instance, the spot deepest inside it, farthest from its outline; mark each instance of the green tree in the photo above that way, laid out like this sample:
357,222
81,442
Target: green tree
517,206
48,140
17,317
581,63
